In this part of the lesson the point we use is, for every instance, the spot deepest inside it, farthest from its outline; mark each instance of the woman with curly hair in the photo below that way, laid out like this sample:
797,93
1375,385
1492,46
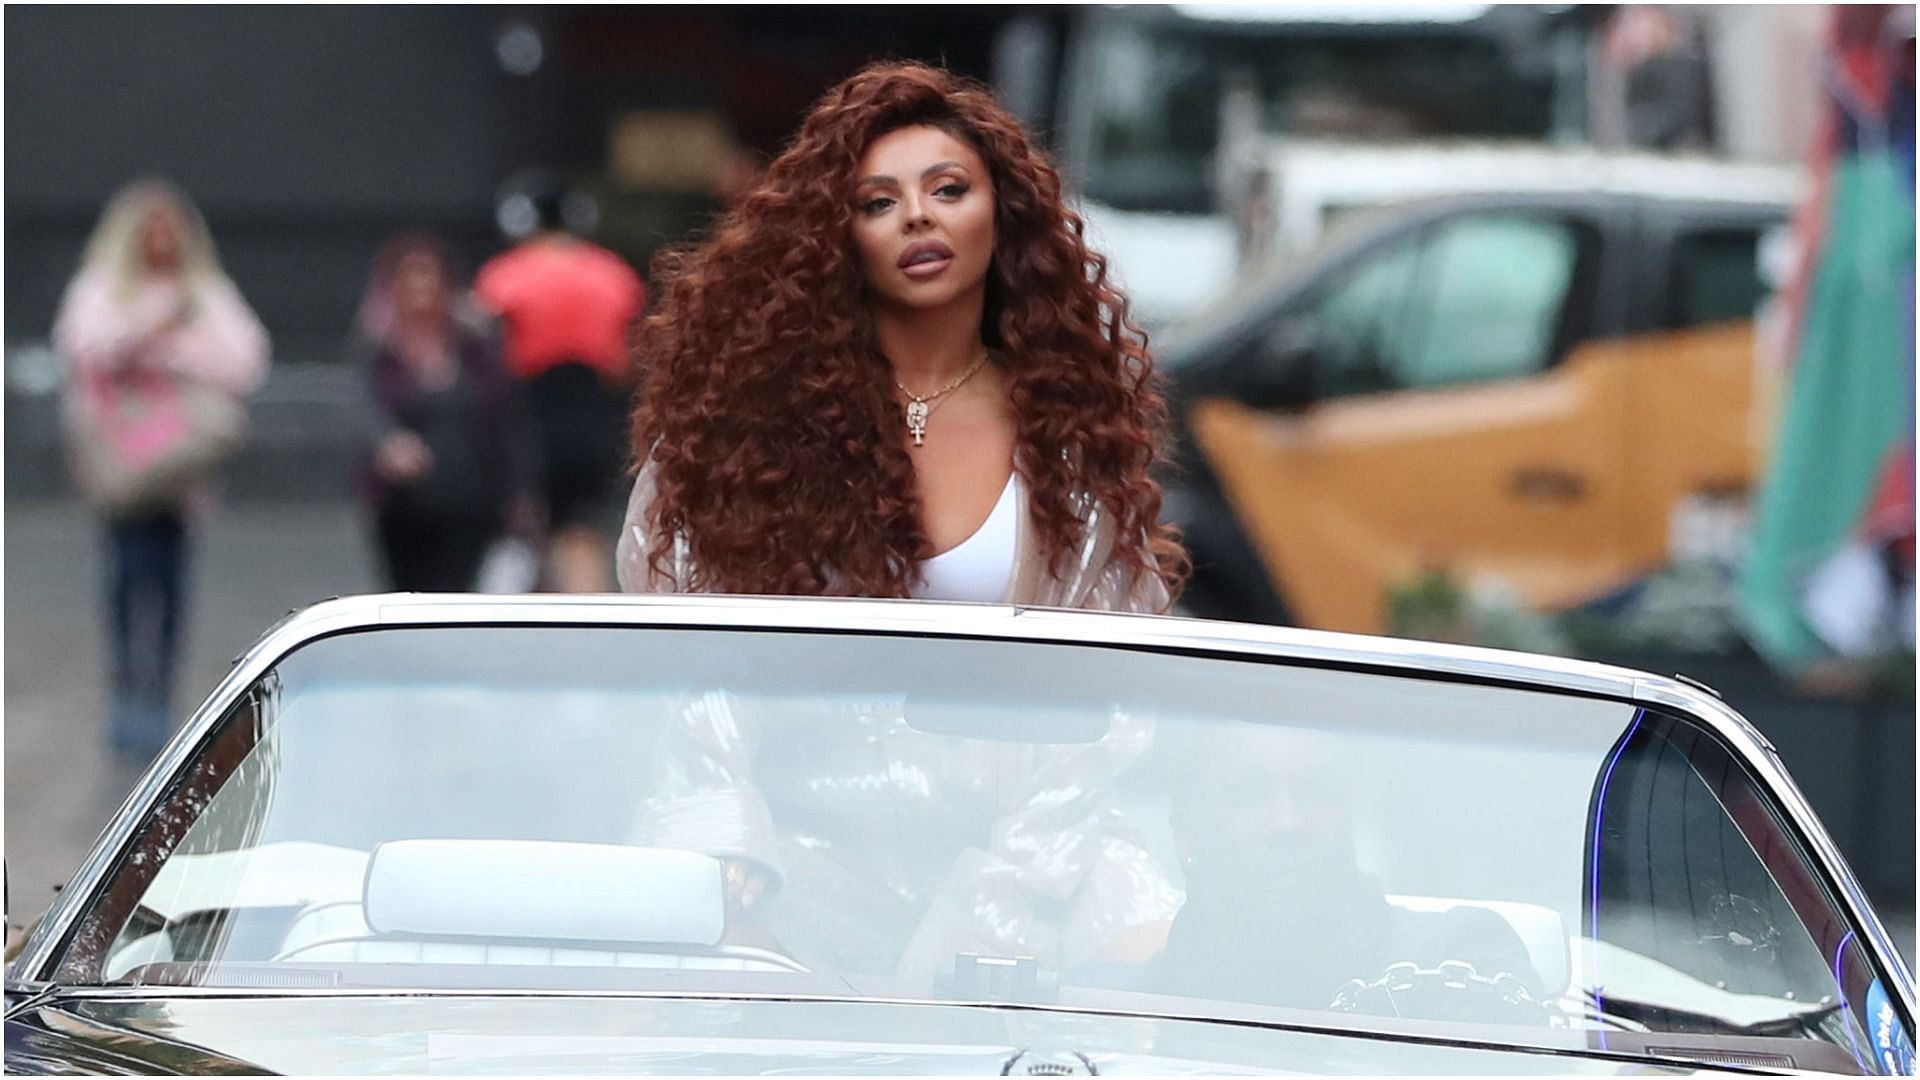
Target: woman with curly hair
896,369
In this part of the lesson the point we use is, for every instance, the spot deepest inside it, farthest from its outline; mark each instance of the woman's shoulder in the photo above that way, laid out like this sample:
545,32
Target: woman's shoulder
89,285
634,566
220,289
89,279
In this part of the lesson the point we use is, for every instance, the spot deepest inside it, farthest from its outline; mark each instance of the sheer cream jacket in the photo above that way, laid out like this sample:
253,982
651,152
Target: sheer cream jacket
1059,871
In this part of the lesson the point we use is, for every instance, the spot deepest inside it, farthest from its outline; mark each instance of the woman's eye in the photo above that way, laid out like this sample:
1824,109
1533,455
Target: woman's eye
876,204
950,191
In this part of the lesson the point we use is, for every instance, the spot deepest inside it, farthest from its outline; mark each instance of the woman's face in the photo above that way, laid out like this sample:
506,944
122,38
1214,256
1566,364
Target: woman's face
419,284
161,239
923,218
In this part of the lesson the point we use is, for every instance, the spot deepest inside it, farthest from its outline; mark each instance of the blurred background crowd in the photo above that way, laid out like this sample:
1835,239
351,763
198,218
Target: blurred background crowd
1583,329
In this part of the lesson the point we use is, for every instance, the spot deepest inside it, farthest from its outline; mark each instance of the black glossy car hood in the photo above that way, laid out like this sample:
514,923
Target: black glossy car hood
564,1035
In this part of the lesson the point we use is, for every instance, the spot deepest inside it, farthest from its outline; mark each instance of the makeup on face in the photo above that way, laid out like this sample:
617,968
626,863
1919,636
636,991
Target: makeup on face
923,217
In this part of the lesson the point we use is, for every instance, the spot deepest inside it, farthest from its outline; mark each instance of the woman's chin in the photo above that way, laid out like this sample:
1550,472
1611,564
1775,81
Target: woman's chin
933,296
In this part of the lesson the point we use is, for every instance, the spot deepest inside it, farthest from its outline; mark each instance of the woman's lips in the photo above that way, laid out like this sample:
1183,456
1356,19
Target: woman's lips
926,259
921,271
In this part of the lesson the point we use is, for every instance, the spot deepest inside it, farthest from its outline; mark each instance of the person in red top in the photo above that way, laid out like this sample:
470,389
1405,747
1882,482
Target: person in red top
566,306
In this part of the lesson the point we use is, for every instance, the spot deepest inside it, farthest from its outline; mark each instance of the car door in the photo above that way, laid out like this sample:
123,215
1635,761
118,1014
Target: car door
1441,430
1701,381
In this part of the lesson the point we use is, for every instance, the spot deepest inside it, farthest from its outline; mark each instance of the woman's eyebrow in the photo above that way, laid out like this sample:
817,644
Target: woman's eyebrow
938,166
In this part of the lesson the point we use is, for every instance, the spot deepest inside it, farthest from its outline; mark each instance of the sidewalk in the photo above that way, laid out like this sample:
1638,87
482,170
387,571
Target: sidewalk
256,562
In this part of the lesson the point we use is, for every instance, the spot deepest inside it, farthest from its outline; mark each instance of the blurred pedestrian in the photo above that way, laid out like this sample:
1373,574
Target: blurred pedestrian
447,470
1654,81
896,369
163,352
567,307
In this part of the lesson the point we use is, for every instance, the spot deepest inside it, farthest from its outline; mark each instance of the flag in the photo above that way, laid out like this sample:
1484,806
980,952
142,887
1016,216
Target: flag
1832,546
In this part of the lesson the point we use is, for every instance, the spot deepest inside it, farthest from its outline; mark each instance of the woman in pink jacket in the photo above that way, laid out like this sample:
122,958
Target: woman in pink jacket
151,307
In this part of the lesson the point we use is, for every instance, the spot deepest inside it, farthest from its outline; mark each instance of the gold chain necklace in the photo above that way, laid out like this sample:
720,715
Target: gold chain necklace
919,408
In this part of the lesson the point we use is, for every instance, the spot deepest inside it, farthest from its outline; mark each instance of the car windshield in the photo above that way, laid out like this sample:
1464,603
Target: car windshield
974,820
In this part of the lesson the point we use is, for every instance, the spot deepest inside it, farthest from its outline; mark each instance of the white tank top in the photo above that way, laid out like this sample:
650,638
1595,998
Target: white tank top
979,567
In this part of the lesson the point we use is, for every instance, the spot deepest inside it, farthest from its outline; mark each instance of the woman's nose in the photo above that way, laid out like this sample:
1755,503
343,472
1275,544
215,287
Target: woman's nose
917,212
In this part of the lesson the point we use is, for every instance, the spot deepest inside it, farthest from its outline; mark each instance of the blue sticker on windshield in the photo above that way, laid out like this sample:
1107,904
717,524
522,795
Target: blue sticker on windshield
1892,1045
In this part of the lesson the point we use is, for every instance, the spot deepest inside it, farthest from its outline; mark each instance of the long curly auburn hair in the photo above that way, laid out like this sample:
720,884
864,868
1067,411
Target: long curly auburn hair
767,408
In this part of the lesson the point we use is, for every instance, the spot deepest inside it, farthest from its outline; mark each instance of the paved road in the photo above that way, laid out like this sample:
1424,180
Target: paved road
256,562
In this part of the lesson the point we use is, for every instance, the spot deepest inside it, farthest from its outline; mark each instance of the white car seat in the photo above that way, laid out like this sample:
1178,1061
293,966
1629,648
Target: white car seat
526,902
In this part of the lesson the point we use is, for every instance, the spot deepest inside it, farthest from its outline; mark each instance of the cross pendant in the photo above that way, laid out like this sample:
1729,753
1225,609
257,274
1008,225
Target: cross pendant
917,421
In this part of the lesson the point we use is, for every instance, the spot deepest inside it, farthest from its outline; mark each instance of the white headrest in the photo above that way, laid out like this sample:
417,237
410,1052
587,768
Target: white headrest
544,889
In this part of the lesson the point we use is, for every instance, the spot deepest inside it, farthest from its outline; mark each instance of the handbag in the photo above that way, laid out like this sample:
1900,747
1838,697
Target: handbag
141,440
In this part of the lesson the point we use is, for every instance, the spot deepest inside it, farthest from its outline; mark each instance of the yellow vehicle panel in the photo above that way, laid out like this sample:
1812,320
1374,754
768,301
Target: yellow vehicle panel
1561,485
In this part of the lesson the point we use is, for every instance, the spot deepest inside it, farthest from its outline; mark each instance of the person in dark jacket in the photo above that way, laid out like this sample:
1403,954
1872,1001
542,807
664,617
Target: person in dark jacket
447,470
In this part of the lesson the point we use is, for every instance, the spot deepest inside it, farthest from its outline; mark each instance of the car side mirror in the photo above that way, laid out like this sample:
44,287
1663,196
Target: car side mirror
1283,366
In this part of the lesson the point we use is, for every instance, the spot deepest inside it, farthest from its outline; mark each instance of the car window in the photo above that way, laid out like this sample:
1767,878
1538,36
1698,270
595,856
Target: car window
1492,288
1691,872
1716,277
901,817
1476,297
1361,339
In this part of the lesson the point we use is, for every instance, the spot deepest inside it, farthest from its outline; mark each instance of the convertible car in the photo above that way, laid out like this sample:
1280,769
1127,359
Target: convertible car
426,834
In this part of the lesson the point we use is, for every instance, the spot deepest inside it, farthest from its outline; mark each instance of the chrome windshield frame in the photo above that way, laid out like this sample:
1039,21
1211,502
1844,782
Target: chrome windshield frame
1417,659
